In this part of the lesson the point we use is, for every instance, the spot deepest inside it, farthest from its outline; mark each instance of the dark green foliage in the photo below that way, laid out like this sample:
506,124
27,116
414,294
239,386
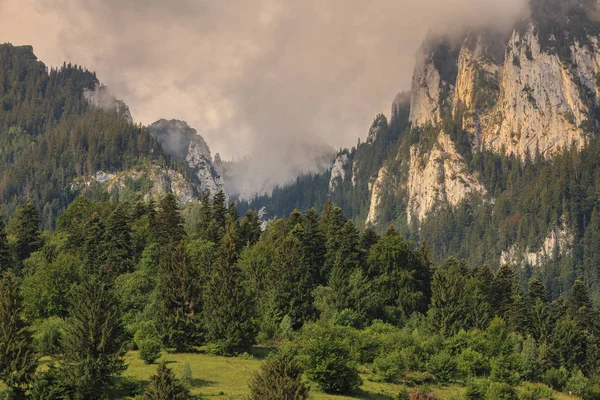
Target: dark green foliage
18,359
179,301
280,378
164,386
442,365
167,226
328,361
150,350
27,230
250,229
6,260
92,351
501,391
227,304
119,254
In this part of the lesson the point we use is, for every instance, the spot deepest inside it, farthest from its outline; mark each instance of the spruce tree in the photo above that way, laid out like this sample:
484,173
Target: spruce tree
94,247
6,260
119,249
164,386
502,290
314,245
449,310
27,229
250,228
168,223
178,295
204,217
280,378
92,350
228,308
219,217
18,360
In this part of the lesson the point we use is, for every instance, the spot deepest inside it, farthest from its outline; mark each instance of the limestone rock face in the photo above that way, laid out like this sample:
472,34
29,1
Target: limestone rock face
102,98
437,176
181,141
377,193
559,241
338,171
426,92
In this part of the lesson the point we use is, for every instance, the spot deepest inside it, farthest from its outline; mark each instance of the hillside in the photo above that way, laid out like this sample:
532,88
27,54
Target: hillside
491,157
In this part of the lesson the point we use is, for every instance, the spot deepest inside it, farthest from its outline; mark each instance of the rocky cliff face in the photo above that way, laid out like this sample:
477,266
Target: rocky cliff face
535,90
338,171
182,142
102,98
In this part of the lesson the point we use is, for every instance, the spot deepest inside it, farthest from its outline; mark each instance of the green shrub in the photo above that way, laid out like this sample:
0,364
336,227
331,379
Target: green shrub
388,367
532,391
577,384
164,385
476,389
150,350
506,369
403,394
472,363
442,365
48,336
501,391
327,358
556,378
280,378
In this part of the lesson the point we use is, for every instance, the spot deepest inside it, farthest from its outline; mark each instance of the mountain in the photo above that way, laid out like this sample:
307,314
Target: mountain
63,134
492,156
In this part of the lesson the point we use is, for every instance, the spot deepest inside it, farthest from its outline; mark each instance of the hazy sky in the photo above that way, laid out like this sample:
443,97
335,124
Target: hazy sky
252,76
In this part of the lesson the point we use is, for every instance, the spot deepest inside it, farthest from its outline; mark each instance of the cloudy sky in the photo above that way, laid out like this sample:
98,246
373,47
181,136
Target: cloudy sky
252,76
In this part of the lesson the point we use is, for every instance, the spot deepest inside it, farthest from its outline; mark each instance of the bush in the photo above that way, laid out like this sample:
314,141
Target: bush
327,359
442,366
422,394
388,367
531,391
472,363
46,386
403,394
476,389
506,369
501,391
577,384
164,385
150,350
280,378
48,336
556,378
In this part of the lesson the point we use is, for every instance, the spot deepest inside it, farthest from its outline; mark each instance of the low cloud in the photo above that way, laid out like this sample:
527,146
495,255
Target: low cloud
258,78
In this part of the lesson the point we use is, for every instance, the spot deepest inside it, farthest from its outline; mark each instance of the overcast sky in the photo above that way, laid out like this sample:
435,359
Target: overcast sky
252,76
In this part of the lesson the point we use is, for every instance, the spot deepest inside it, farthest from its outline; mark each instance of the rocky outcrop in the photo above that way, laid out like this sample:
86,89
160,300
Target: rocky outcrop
182,142
436,177
338,171
426,92
102,98
152,180
377,193
559,242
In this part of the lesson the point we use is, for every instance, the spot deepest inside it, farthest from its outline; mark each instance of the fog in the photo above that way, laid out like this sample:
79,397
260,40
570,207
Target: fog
258,78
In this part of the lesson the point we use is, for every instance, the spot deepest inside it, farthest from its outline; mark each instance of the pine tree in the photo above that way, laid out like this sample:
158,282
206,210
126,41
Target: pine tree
18,360
179,304
119,249
280,378
250,228
92,351
164,386
27,230
6,260
168,224
227,306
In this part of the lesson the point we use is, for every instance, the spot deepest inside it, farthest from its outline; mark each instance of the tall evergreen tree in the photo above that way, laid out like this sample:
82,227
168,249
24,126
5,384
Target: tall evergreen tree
27,229
168,224
250,228
204,217
178,294
92,351
6,260
94,247
119,249
449,309
218,217
18,360
503,289
228,308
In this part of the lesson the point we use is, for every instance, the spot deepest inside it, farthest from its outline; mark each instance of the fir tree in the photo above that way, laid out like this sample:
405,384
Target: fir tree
18,360
250,228
449,302
94,247
502,289
119,255
179,299
280,378
92,351
218,217
27,231
204,217
227,306
314,245
164,386
168,224
5,254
